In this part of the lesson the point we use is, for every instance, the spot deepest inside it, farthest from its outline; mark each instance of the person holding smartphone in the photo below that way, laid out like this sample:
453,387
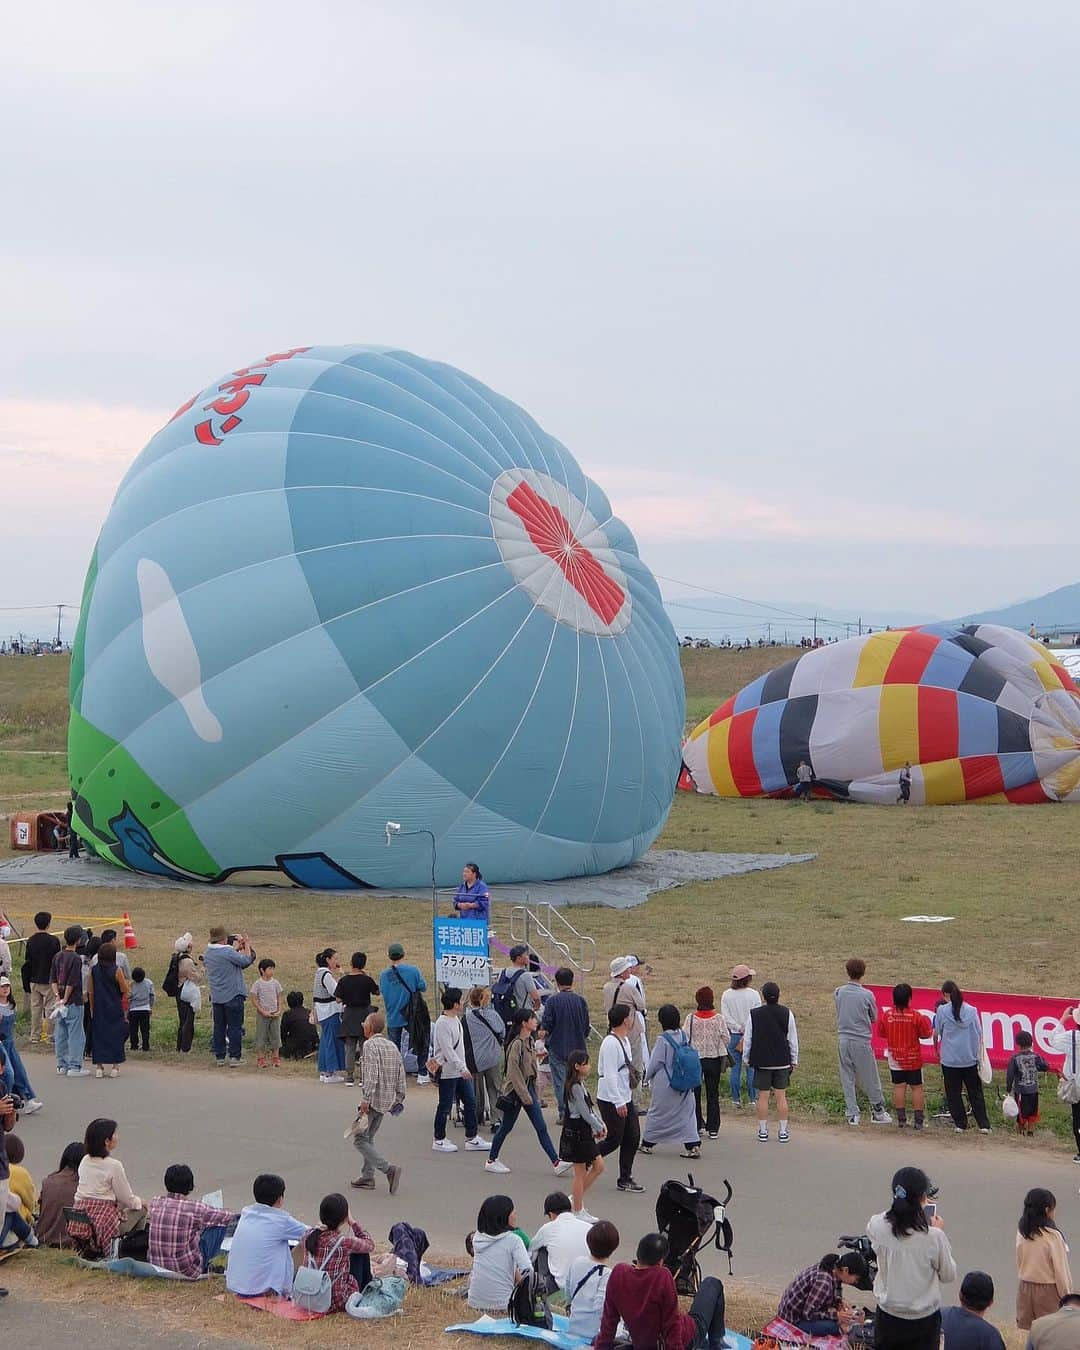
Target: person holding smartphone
914,1261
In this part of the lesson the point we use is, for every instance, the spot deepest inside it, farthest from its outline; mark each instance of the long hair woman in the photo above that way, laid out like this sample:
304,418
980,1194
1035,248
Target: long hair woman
814,1300
1042,1259
500,1259
958,1037
519,1094
914,1261
107,990
582,1127
328,1016
341,1248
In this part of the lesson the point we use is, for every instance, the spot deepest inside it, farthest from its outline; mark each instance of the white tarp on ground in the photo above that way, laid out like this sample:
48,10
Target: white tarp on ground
659,870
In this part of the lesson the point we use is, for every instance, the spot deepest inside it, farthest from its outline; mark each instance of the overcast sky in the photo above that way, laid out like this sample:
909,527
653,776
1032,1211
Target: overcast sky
797,283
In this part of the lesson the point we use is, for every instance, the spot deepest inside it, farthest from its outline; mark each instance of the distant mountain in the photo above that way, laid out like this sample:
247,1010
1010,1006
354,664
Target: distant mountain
1056,609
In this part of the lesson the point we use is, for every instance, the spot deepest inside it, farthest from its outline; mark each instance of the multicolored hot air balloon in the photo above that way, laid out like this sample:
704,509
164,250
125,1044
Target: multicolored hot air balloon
981,713
345,585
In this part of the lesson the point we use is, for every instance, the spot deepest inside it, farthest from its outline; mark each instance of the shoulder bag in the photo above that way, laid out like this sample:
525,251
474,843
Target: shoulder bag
1069,1085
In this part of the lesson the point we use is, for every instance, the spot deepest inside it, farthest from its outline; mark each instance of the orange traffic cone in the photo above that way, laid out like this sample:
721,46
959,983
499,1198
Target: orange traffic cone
129,933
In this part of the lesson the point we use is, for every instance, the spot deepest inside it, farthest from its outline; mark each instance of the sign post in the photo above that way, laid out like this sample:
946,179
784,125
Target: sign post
461,952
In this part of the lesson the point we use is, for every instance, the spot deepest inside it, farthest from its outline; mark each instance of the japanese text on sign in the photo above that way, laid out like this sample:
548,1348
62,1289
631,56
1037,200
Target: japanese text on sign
461,952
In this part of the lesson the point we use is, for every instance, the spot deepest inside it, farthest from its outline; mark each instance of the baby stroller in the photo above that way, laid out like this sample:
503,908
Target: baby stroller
690,1219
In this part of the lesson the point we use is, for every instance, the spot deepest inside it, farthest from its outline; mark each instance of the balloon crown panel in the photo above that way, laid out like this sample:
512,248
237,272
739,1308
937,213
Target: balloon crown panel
346,585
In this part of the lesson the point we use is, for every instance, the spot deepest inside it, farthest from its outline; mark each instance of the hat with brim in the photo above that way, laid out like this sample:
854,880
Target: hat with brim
620,966
742,972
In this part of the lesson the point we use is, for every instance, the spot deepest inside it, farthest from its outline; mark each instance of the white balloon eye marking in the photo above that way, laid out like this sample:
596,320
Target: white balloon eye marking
170,648
530,516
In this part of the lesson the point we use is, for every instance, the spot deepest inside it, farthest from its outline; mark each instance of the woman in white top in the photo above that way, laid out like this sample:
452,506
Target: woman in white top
736,1004
500,1259
103,1189
328,1016
914,1261
1065,1040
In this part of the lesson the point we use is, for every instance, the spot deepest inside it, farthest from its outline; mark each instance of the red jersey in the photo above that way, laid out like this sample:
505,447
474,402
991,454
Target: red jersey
903,1029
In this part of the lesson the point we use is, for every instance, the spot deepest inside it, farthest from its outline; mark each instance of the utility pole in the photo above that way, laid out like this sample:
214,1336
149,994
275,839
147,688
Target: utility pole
815,628
860,627
59,619
768,629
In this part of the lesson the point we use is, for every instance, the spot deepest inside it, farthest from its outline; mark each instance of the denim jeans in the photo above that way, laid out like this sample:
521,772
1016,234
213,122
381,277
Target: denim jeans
821,1326
536,1116
735,1051
229,1025
451,1090
15,1071
210,1240
15,1223
558,1081
70,1037
331,1047
708,1311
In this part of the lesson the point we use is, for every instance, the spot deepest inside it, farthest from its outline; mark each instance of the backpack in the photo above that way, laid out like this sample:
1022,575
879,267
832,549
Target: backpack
382,1297
171,983
685,1072
528,1305
417,1022
503,998
312,1287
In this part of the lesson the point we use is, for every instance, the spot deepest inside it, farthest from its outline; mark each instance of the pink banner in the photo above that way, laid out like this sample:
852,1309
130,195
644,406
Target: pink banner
1002,1016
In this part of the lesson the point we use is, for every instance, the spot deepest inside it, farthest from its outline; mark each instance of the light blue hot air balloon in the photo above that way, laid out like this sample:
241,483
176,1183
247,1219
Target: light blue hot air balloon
347,585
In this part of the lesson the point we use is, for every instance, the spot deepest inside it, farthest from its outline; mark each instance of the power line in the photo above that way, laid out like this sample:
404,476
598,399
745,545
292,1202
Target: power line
756,604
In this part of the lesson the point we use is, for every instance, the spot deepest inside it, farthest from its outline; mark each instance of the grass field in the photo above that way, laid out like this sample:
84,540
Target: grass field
1003,873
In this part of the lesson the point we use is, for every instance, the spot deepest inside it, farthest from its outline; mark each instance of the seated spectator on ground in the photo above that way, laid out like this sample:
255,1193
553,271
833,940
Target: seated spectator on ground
643,1296
260,1259
21,1199
342,1248
587,1278
499,1256
814,1300
58,1194
103,1190
299,1039
185,1234
966,1327
1057,1331
563,1237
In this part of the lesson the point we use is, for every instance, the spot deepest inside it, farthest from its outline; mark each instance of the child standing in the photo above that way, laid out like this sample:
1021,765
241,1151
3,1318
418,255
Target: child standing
903,1029
140,1005
190,1003
265,996
1022,1080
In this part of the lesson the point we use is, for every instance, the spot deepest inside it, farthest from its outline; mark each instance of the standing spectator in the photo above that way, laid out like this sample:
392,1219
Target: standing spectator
636,980
342,1248
562,1237
355,993
67,984
914,1261
397,984
260,1259
500,1259
140,1006
110,935
104,1190
1022,1080
265,995
615,1096
1042,1259
856,1016
643,1296
472,899
804,781
382,1094
736,1005
1059,1331
484,1034
331,1051
966,1327
299,1039
903,1030
771,1047
519,984
72,834
958,1036
672,1112
226,962
565,1028
582,1127
620,989
189,1001
519,1094
448,1065
707,1033
108,989
587,1279
41,948
174,981
905,784
58,1194
185,1234
1065,1040
14,1075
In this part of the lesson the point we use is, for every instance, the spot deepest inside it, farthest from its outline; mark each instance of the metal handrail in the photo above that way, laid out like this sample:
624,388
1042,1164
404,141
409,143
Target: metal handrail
525,921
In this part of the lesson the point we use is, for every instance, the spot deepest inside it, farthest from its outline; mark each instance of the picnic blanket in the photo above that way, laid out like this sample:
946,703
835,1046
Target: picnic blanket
559,1334
137,1270
276,1306
782,1330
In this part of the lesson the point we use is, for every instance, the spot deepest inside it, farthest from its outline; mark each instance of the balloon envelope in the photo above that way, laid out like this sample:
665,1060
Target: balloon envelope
347,585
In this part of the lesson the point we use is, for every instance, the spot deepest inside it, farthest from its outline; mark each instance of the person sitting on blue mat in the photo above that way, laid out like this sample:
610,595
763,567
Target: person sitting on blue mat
643,1296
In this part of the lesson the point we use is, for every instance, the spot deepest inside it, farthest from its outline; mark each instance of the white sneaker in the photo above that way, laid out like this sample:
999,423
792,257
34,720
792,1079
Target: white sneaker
494,1165
422,1080
881,1117
324,1077
114,1072
443,1146
99,1072
782,1134
31,1106
763,1133
585,1216
477,1145
853,1120
563,1169
79,1073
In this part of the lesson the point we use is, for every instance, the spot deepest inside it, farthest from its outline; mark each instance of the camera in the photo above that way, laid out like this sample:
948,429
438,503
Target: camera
862,1245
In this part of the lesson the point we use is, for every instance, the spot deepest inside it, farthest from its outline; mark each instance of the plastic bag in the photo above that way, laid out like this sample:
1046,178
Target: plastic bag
1010,1108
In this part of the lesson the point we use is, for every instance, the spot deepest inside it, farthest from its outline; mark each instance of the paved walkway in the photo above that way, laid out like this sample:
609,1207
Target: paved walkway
791,1201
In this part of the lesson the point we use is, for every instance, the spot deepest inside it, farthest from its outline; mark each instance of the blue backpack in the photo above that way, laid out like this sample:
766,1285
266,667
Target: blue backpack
685,1072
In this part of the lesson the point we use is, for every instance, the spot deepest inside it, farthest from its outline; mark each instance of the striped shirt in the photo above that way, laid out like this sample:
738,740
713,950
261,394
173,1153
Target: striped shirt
903,1029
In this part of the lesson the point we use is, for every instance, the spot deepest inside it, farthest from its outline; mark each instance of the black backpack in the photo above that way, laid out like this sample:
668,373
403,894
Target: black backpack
417,1023
528,1305
503,998
171,983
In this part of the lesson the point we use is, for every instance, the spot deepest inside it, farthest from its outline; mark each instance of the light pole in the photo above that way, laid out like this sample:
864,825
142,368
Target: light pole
394,830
